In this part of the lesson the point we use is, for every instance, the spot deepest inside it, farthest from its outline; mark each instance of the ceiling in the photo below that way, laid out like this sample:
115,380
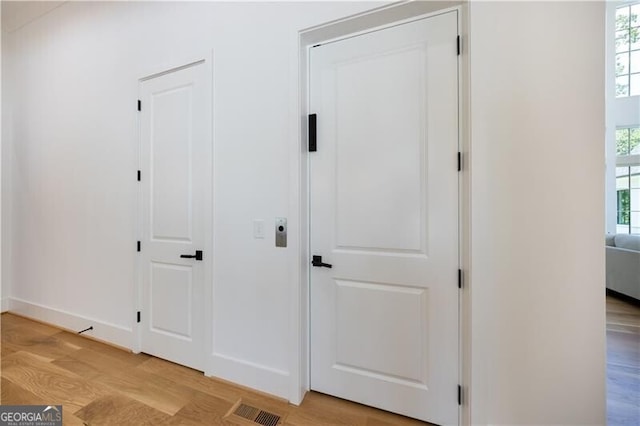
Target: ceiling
16,14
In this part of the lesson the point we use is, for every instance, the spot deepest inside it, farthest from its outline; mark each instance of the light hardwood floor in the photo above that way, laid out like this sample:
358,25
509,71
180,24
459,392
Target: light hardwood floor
99,384
623,363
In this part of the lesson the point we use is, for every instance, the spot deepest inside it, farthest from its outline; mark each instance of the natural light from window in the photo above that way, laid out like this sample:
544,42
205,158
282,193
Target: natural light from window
628,50
627,181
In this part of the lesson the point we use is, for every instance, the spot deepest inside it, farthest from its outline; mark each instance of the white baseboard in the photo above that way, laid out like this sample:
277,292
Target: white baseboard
255,376
252,375
104,331
4,305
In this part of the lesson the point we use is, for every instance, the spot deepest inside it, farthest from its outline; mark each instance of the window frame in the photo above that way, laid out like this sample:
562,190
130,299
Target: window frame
628,53
626,161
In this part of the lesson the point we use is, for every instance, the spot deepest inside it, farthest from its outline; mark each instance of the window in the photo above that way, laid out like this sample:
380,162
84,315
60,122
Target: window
628,141
628,180
623,141
628,190
623,207
628,50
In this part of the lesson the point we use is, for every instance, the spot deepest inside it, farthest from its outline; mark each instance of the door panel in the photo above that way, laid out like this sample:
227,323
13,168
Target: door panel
389,309
384,213
171,299
176,206
367,156
171,163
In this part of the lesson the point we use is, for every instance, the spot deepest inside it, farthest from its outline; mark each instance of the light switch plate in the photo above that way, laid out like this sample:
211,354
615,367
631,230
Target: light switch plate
258,229
281,231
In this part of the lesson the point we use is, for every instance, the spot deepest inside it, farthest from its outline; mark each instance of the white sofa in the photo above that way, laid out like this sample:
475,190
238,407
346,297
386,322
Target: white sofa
623,264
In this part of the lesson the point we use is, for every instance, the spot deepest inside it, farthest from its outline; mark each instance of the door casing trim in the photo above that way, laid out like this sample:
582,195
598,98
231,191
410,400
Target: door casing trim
376,19
159,69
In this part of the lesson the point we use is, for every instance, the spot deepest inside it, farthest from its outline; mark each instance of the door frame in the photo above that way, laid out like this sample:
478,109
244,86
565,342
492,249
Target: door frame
376,19
158,69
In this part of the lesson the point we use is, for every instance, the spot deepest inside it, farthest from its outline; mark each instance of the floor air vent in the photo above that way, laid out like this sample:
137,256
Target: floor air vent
253,414
247,412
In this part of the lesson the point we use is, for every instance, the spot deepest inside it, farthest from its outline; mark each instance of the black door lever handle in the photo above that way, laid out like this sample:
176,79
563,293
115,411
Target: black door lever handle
317,261
197,256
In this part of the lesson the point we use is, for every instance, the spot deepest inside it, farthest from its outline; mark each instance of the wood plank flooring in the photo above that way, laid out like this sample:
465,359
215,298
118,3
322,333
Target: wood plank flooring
98,384
623,363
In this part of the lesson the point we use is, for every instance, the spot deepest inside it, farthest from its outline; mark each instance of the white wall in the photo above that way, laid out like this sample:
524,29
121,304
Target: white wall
4,303
76,71
537,197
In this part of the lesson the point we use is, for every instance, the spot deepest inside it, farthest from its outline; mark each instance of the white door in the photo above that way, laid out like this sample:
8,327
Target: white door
384,214
176,196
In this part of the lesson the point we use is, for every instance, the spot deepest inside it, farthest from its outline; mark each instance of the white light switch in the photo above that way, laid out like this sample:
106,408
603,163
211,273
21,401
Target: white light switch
258,228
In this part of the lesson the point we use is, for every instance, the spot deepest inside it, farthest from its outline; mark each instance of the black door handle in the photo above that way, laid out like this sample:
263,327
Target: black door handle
197,256
317,261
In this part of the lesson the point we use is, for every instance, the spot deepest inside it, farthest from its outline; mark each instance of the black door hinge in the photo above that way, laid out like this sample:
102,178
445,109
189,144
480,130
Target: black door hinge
139,175
138,316
312,133
459,278
139,105
459,395
458,45
459,161
139,245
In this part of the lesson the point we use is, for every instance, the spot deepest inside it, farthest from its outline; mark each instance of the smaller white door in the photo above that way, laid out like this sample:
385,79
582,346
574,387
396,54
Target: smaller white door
176,213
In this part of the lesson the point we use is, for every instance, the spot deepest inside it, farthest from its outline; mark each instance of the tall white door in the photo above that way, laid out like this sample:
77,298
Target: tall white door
384,215
176,207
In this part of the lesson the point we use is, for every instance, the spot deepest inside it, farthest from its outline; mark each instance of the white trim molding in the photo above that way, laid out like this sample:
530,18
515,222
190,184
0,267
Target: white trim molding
627,160
249,374
103,331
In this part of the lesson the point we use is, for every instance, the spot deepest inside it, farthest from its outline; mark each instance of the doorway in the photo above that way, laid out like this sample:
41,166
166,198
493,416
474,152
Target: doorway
176,192
384,209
